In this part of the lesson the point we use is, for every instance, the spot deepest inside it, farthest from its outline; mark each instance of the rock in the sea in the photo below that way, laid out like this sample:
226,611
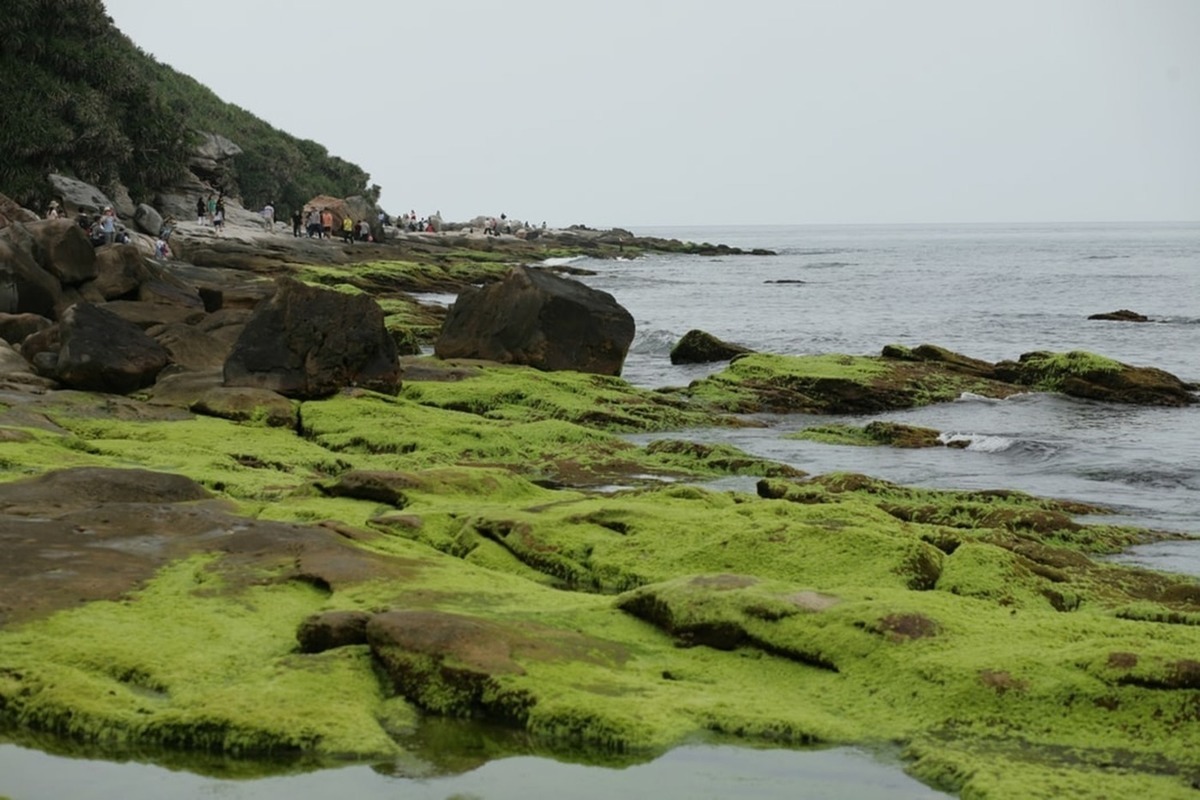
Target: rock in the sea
101,352
699,347
539,319
1121,315
1087,375
308,342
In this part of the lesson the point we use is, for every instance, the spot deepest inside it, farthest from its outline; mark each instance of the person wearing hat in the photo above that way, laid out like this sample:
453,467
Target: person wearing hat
108,224
52,211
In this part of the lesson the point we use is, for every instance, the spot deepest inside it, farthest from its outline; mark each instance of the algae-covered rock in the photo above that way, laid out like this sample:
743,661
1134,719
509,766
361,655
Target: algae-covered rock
876,434
903,378
1087,375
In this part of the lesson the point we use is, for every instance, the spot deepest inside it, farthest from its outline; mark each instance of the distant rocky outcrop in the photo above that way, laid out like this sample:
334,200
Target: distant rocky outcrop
699,347
1121,315
308,342
539,319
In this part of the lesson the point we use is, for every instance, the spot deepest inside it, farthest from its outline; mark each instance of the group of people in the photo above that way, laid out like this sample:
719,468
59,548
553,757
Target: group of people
211,211
319,224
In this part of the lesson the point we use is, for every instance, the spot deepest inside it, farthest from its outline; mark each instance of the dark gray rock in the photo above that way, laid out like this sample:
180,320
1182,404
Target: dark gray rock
699,347
539,319
59,246
102,352
308,342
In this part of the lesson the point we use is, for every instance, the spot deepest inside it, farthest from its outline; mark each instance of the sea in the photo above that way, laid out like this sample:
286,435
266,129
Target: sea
987,291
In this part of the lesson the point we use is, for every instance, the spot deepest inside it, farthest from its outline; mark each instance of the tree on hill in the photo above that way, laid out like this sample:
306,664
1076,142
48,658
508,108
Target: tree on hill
83,100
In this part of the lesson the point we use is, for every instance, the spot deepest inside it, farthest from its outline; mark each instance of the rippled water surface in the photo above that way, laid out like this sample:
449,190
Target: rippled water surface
991,292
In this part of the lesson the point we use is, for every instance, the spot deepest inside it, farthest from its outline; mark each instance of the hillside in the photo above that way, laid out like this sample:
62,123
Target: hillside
85,101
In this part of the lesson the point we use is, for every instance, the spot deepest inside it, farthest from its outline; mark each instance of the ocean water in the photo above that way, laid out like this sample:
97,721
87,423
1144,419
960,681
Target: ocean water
987,291
990,292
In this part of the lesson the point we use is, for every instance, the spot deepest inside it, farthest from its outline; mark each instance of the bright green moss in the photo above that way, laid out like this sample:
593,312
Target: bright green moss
968,625
181,664
523,394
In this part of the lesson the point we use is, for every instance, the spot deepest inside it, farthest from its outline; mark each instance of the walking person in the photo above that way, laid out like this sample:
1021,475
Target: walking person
327,223
201,210
347,229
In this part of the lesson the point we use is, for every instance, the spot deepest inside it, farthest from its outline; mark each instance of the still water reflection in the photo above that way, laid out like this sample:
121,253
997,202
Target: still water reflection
691,772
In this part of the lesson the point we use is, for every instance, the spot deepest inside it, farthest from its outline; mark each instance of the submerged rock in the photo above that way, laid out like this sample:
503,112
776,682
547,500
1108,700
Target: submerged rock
1122,315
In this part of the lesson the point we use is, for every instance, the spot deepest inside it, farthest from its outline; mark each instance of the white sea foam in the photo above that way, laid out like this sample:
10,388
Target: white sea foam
971,397
561,261
982,443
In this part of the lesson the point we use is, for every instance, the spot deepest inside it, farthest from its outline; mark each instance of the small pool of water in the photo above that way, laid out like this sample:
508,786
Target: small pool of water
685,773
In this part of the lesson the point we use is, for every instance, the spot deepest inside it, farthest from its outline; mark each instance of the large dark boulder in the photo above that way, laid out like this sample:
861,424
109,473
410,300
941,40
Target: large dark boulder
103,353
699,347
308,342
58,246
26,288
15,328
537,318
120,270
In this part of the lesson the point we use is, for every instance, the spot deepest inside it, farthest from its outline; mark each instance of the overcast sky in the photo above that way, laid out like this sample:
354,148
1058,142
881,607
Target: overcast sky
644,112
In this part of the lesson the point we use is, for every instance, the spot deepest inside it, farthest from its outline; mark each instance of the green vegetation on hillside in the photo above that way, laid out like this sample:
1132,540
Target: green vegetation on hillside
95,106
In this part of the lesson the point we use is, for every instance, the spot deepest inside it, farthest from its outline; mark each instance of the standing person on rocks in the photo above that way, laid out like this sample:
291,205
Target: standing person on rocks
201,210
347,229
314,224
297,221
327,223
52,210
108,224
210,205
219,215
268,216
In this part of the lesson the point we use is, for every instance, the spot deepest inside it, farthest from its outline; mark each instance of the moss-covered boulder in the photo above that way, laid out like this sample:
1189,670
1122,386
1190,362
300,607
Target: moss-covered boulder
1087,375
904,378
876,434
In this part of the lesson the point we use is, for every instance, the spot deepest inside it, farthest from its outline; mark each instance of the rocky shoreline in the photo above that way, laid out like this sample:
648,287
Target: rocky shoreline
307,551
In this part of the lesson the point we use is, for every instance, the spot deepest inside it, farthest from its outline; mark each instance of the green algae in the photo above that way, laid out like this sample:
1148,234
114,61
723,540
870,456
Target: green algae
1053,369
835,384
873,434
523,394
182,665
971,626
